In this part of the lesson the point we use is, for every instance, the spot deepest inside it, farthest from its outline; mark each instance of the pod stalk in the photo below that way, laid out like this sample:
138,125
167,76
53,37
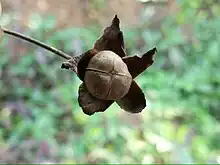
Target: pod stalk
37,42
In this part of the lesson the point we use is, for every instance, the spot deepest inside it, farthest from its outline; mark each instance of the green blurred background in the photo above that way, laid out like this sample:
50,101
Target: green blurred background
40,119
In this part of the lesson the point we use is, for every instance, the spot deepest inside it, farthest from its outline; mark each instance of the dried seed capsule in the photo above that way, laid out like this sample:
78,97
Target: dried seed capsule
107,76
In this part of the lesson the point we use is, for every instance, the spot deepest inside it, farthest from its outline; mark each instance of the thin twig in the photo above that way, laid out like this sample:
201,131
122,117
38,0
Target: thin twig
38,43
155,3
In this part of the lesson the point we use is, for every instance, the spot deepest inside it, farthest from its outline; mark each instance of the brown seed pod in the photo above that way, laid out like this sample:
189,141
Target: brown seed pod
100,89
107,76
106,71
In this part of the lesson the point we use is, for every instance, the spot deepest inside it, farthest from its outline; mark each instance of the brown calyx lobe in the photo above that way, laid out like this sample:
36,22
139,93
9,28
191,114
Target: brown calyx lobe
84,61
112,39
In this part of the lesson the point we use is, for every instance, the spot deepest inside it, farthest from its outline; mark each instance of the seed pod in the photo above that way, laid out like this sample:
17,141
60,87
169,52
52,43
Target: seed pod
107,76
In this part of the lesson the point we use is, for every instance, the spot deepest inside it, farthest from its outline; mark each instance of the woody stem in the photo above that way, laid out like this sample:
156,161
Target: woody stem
38,43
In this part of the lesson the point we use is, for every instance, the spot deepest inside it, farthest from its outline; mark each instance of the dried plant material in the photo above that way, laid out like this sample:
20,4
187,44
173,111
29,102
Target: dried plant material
83,63
112,39
134,101
107,76
136,65
97,98
93,70
71,63
106,71
89,103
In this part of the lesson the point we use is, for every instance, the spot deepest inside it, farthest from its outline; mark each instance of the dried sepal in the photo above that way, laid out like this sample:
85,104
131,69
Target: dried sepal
112,39
78,63
136,65
134,101
89,103
83,63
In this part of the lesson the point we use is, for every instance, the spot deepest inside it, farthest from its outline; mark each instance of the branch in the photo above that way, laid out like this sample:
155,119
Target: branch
155,3
38,43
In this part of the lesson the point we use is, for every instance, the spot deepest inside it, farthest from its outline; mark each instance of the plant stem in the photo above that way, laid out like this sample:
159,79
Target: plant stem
38,43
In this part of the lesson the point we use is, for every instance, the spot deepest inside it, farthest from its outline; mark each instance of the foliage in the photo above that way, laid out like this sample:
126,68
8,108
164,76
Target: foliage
41,117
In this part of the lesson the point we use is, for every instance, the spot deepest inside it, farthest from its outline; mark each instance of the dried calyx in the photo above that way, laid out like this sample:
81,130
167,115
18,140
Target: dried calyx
134,100
106,71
